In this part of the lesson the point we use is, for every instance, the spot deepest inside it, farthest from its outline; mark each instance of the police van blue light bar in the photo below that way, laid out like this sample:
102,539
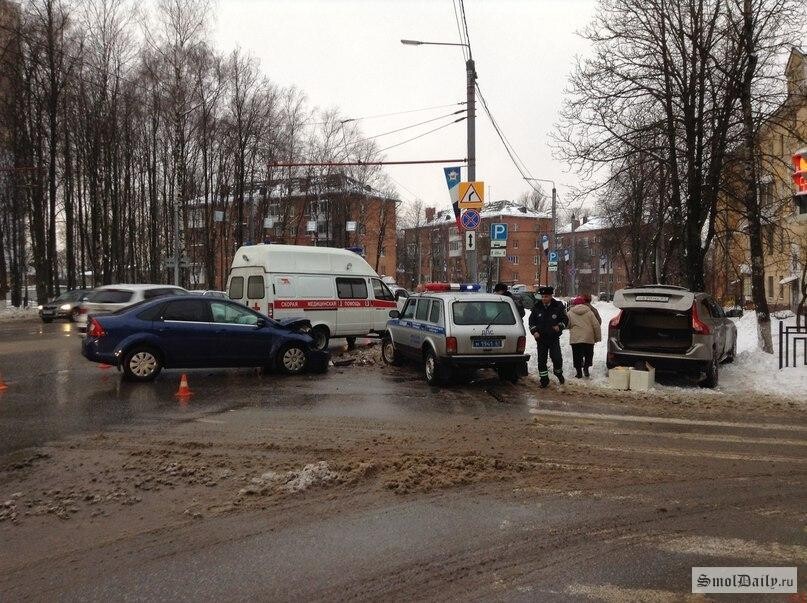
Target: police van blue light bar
466,287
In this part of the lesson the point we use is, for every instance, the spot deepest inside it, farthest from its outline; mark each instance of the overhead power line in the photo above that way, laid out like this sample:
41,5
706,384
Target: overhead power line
422,135
409,127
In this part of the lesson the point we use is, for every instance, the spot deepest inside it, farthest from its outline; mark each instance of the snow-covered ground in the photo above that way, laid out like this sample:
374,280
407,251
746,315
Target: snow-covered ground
751,372
9,312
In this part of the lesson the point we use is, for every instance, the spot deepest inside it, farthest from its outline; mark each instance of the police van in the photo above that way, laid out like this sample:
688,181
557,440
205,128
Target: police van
453,329
335,289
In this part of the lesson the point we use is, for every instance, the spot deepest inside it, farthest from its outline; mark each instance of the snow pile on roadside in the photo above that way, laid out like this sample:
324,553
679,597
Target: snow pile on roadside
752,371
312,474
12,313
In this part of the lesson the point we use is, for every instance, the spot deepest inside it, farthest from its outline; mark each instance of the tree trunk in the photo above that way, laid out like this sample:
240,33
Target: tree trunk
751,197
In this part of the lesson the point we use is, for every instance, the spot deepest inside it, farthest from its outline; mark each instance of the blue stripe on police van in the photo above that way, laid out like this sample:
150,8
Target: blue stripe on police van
409,324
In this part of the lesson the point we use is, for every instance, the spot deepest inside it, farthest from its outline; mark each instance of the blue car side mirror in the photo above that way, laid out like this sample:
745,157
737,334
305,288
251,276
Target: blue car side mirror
261,323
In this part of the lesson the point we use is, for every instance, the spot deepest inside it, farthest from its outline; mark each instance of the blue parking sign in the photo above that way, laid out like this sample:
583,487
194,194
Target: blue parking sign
553,256
498,231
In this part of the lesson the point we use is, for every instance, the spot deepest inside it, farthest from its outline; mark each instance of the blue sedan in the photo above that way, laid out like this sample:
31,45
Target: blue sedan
198,332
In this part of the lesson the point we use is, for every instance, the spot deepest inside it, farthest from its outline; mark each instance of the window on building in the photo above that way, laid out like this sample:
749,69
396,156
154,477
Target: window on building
535,260
514,260
781,288
515,226
538,242
515,244
770,286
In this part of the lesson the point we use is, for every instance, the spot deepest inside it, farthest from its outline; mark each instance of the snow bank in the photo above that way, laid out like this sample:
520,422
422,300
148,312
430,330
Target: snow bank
12,313
752,371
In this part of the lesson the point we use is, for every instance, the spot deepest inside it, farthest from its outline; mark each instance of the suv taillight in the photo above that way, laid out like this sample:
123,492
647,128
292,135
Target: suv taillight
614,322
451,345
698,326
95,329
521,345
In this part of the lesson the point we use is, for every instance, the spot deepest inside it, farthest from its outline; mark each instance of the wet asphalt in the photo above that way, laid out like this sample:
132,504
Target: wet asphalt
54,392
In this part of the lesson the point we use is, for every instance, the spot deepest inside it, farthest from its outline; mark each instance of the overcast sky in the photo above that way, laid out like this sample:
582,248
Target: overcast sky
347,54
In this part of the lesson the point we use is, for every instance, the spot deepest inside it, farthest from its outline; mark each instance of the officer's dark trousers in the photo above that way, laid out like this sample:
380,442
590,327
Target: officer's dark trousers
551,348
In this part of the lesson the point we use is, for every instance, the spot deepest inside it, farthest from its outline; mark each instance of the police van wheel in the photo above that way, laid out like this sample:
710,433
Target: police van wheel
320,336
432,371
389,354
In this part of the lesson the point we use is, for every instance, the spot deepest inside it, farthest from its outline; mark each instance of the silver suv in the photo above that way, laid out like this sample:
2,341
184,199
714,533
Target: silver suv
452,333
673,329
111,298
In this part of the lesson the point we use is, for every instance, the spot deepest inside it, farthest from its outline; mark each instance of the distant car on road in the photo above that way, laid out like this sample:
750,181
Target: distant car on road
605,296
67,305
672,328
111,298
198,332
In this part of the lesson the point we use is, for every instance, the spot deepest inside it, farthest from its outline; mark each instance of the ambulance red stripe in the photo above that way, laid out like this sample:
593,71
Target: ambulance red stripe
330,304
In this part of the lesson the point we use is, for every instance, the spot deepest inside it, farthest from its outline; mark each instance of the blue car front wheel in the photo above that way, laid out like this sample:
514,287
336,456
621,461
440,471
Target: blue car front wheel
291,359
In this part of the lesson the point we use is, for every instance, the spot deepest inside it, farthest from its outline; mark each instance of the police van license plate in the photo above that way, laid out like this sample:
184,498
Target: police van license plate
487,343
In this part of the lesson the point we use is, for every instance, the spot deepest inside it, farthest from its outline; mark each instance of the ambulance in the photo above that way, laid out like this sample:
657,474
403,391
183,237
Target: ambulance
335,289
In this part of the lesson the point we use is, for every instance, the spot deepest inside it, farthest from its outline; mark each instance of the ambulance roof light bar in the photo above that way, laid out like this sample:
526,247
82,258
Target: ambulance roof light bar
444,287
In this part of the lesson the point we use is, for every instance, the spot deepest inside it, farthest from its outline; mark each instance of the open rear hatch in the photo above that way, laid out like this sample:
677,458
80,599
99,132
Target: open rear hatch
655,319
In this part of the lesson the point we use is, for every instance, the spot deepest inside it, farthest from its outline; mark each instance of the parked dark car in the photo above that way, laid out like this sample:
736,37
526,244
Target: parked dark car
67,305
198,332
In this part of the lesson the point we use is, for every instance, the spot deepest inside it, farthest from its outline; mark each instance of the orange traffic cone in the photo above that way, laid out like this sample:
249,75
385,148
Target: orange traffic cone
183,390
3,384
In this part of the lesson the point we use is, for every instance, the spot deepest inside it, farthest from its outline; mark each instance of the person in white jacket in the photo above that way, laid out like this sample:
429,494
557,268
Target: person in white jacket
584,332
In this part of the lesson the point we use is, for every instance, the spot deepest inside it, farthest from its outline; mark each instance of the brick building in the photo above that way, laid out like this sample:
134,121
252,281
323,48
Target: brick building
332,211
588,262
435,250
784,219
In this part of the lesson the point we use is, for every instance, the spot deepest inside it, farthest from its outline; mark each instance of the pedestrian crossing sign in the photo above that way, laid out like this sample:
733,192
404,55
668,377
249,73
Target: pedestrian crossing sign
472,195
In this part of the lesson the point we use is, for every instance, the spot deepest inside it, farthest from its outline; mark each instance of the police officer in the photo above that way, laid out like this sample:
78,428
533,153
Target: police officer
547,321
502,289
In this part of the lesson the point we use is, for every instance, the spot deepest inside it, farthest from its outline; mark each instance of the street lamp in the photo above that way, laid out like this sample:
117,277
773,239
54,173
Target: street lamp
554,222
470,86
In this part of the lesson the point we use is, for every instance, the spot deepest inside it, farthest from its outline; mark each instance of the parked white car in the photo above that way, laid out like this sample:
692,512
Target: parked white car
110,298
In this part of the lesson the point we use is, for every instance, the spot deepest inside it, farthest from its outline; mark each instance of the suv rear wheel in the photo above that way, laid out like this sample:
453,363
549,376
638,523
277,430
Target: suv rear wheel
712,375
432,371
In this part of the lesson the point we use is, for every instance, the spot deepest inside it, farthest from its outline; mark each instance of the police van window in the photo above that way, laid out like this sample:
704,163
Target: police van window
423,310
381,291
236,287
351,288
409,310
436,313
255,287
188,310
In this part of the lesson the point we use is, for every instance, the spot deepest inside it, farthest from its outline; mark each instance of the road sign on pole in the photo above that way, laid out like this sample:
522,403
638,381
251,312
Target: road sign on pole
470,219
498,244
498,253
472,195
470,240
498,231
553,257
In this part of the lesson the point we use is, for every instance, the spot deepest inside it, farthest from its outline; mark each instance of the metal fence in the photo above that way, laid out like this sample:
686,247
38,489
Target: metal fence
792,338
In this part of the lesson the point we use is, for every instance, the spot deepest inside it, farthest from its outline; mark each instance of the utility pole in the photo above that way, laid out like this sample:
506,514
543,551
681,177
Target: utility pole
470,73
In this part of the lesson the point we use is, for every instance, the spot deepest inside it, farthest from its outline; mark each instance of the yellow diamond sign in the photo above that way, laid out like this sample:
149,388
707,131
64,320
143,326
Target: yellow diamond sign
472,195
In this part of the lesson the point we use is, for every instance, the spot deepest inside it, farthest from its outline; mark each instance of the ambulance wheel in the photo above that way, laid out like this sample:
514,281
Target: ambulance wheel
320,335
351,343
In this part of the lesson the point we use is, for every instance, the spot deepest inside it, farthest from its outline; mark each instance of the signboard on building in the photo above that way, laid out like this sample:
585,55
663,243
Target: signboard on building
312,226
